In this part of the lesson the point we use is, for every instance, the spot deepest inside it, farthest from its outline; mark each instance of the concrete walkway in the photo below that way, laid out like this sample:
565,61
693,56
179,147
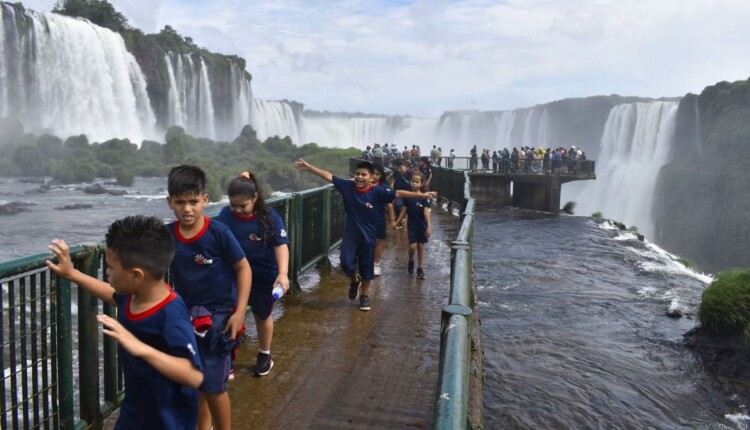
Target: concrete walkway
337,367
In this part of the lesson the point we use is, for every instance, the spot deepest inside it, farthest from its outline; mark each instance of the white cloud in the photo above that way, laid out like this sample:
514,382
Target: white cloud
425,56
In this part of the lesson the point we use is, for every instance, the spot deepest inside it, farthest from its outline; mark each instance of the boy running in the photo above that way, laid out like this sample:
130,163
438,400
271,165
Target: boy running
361,201
211,273
158,351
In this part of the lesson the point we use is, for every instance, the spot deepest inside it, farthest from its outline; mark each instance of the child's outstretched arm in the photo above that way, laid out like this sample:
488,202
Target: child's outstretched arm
244,281
401,194
64,267
177,369
304,165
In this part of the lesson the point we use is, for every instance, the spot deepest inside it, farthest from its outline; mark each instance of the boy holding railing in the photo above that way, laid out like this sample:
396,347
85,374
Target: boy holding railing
160,362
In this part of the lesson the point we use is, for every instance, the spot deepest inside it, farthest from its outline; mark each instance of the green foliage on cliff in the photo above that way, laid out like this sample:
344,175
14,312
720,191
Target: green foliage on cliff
725,306
76,160
100,12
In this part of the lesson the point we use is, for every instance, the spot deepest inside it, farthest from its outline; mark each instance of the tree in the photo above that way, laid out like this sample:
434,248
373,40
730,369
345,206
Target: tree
100,12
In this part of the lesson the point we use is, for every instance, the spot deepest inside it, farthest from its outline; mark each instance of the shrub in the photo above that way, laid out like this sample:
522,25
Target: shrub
725,305
569,208
597,215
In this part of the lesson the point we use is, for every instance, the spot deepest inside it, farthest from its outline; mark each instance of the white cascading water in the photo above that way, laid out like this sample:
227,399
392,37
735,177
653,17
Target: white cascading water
634,146
276,118
70,76
345,131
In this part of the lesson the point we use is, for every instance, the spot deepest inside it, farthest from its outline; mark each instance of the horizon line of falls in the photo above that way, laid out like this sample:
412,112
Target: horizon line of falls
635,145
70,76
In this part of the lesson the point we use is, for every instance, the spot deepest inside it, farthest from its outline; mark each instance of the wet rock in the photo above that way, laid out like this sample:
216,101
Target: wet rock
41,190
725,356
673,313
74,207
32,180
95,189
117,192
13,208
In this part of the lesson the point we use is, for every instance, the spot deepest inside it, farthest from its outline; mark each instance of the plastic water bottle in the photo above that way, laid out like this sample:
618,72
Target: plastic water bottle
277,292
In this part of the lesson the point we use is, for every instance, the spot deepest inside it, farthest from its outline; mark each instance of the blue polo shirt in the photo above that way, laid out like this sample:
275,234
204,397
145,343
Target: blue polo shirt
402,182
361,207
151,399
203,266
415,210
261,255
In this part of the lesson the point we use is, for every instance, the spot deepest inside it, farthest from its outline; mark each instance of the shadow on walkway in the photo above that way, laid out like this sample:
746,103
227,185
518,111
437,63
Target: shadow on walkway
339,367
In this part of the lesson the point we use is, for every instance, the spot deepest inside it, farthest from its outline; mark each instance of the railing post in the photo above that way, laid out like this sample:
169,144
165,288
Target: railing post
63,335
88,345
295,245
451,410
327,221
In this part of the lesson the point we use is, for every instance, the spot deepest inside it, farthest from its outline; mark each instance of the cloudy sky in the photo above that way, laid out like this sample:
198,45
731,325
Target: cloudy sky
425,57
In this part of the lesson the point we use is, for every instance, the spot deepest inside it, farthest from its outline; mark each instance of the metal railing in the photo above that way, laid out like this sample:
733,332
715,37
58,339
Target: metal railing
47,358
565,167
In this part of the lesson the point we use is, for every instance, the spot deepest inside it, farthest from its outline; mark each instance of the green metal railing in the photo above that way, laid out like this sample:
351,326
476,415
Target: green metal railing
452,396
41,374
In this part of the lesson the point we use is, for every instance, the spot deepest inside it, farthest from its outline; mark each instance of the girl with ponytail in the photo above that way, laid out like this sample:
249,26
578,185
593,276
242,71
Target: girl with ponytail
261,232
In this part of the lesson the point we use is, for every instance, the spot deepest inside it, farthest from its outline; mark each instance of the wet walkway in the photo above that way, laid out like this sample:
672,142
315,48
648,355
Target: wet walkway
337,367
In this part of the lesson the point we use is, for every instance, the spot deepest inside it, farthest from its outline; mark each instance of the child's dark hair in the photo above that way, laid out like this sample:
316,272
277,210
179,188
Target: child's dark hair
365,165
420,175
425,160
143,242
246,185
186,179
377,167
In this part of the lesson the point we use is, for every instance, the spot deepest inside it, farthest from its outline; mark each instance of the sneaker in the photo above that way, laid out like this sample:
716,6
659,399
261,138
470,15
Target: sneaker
354,288
263,365
231,374
364,303
399,226
411,267
377,270
420,273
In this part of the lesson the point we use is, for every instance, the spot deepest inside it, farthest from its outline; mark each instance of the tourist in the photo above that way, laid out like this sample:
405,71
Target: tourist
419,224
400,180
378,180
451,158
426,169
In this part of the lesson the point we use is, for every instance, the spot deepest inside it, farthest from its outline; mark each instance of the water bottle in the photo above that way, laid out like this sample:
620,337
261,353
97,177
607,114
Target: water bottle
277,292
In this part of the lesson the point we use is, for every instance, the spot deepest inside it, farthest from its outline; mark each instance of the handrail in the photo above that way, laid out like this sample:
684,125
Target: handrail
38,348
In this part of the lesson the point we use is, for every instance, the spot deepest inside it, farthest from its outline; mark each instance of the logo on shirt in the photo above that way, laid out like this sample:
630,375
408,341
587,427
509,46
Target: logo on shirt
420,205
368,205
254,237
282,233
201,260
190,348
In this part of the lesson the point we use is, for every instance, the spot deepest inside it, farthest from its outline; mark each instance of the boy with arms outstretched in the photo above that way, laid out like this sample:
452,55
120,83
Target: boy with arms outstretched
361,202
157,345
211,273
419,225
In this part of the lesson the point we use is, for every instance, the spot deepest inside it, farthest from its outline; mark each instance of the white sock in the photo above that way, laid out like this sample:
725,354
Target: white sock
265,352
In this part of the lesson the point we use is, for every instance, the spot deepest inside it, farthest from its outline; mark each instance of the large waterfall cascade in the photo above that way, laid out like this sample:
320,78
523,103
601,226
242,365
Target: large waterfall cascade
70,76
635,145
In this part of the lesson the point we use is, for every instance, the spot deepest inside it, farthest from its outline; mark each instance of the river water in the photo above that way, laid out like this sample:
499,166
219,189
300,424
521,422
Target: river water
573,312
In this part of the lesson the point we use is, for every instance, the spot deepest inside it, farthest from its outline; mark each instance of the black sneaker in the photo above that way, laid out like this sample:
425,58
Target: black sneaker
364,303
354,288
411,267
263,365
420,273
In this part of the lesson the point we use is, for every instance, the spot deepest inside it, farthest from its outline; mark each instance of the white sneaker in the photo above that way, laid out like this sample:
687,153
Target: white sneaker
377,270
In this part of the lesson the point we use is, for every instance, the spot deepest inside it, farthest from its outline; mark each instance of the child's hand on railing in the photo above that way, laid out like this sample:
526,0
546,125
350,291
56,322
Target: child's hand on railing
64,266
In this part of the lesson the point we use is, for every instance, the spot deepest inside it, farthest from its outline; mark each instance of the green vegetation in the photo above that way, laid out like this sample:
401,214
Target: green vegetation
100,12
75,160
569,208
725,306
596,215
633,228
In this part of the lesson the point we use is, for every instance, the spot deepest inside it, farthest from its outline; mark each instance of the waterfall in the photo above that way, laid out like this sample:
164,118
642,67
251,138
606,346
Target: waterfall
276,118
634,146
70,76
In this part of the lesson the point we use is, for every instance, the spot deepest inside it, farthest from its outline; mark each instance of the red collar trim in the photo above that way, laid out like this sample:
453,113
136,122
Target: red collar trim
181,238
148,312
363,191
244,218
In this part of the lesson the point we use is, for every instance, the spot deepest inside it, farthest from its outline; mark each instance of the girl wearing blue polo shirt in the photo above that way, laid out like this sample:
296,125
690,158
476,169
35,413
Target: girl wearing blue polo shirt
262,235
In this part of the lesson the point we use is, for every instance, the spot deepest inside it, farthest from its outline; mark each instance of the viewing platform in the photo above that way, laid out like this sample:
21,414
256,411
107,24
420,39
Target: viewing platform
535,186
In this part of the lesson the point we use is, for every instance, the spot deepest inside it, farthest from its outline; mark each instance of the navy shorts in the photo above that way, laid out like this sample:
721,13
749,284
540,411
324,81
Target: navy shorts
261,301
380,229
355,255
215,349
417,236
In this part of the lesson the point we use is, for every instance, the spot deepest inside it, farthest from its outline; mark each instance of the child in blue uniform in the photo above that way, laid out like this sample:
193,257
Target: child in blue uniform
211,273
360,204
158,350
419,225
378,180
261,233
401,181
